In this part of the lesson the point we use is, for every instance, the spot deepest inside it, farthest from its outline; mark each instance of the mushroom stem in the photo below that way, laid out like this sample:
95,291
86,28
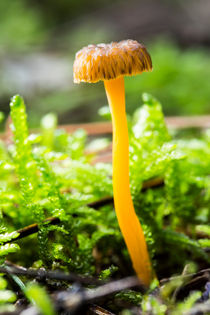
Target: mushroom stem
127,218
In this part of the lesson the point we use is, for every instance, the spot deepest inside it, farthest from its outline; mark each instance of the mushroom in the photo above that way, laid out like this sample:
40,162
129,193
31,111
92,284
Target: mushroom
109,63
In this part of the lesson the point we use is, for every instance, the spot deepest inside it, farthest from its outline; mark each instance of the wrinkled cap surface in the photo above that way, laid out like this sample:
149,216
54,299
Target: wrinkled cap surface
109,61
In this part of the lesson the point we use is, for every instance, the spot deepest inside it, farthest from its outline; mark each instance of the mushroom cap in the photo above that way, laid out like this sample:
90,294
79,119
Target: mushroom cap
109,61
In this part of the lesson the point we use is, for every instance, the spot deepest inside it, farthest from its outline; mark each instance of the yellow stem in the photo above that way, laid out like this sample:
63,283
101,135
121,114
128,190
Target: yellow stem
128,221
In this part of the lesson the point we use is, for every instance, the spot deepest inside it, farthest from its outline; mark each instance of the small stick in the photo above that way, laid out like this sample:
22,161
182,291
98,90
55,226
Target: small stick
33,228
152,183
97,310
72,301
100,203
186,276
176,122
113,287
104,128
11,269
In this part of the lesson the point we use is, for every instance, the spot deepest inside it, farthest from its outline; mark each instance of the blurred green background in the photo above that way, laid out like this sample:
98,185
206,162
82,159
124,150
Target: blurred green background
38,41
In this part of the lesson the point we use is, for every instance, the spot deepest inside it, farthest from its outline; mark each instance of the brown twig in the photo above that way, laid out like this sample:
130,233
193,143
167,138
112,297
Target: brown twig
152,183
92,129
100,203
184,122
103,128
71,301
186,276
43,274
33,228
193,285
177,122
97,310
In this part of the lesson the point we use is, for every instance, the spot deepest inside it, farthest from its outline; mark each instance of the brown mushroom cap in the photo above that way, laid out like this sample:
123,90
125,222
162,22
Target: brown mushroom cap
109,61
